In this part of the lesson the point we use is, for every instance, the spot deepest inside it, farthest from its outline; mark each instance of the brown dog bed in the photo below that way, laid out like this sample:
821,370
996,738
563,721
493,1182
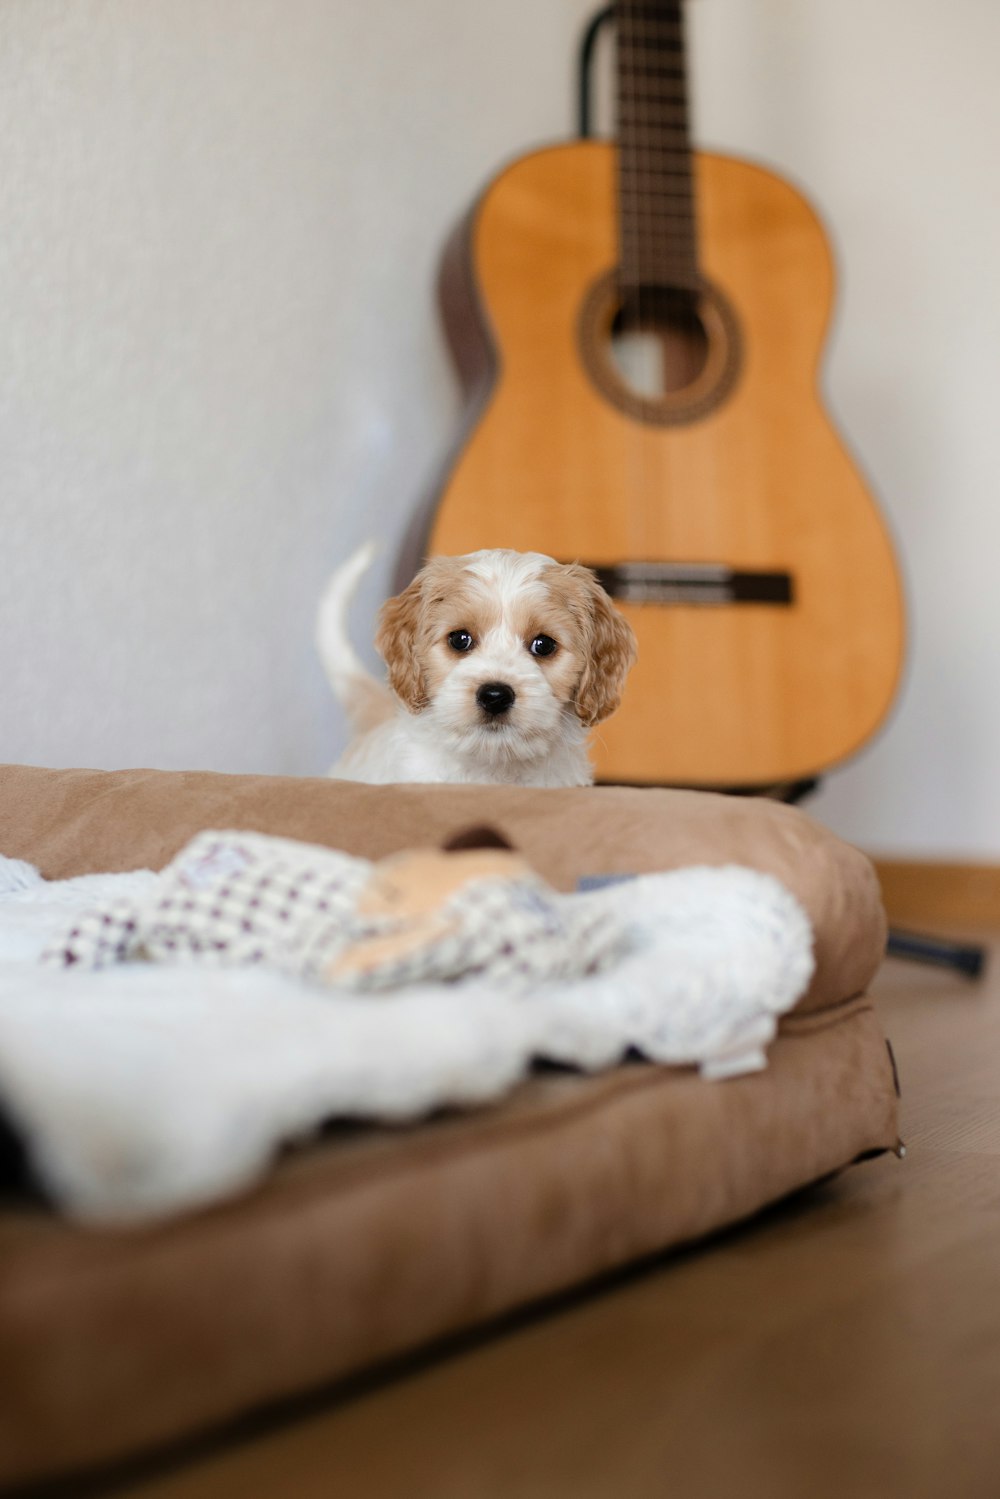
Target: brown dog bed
374,1241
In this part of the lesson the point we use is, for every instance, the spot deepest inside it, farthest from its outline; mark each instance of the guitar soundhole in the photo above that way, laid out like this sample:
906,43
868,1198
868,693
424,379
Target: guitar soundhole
663,354
658,343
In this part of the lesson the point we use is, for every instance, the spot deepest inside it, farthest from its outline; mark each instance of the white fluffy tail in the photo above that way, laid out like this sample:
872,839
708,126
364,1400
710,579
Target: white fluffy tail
366,701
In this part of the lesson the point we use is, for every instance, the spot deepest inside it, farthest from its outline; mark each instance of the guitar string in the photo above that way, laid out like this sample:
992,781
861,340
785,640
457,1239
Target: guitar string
647,313
651,485
714,519
711,496
658,189
656,243
652,118
672,106
633,467
638,183
676,232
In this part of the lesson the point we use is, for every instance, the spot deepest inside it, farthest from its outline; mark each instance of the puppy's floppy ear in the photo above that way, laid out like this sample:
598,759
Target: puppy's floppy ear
397,642
610,646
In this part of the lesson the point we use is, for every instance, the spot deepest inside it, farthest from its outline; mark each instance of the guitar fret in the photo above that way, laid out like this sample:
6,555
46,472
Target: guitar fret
650,264
653,149
667,14
667,127
661,10
663,271
630,20
676,246
664,75
670,107
653,143
649,269
665,114
679,212
673,278
664,195
680,278
648,246
648,15
652,224
672,140
641,39
645,68
666,98
652,245
672,146
664,233
653,146
640,192
658,226
657,164
636,178
667,90
676,249
661,123
659,101
649,225
660,165
671,91
642,184
652,160
671,73
640,45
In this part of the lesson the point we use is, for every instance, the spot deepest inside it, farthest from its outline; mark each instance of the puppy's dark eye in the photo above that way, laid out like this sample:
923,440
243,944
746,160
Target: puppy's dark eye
542,645
461,640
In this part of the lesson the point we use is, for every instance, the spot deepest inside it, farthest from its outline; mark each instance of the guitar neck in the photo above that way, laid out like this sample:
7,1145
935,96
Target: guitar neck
656,213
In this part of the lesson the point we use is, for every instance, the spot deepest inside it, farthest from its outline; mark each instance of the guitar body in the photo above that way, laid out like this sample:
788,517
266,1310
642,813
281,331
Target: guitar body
742,469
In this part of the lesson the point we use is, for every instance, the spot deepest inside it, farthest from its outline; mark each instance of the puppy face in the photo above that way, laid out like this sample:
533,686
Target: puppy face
500,650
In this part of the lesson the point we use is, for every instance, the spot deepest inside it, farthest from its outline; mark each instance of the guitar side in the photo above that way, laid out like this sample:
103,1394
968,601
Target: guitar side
721,695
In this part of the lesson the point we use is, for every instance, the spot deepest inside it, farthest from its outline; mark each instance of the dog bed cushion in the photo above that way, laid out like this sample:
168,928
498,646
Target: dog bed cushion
144,1088
372,1241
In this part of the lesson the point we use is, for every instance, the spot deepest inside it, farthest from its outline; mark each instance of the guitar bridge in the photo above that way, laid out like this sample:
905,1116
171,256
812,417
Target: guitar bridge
693,583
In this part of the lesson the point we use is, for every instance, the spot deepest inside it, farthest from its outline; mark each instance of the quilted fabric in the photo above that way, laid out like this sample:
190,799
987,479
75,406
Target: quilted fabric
241,898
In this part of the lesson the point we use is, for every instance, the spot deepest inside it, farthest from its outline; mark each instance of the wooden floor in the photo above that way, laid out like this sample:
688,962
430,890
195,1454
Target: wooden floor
845,1344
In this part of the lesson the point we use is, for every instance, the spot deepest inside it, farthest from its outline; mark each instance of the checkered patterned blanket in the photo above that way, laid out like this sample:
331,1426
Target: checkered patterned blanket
232,898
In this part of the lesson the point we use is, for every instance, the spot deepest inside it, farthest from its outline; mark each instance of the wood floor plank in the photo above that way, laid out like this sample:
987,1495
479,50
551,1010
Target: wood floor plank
927,891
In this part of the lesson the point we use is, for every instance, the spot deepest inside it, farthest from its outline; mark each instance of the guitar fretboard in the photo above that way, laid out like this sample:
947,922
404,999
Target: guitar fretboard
657,238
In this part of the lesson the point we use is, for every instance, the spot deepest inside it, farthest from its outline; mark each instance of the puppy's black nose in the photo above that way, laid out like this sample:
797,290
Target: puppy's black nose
495,697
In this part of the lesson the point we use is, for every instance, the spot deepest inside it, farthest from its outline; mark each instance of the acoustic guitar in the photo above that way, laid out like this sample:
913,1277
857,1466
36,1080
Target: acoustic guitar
639,328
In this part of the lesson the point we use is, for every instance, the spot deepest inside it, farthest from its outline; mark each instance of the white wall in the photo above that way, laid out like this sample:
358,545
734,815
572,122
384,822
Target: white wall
220,365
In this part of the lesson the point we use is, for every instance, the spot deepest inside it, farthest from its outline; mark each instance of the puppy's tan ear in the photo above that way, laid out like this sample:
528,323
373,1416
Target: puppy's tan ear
611,652
397,640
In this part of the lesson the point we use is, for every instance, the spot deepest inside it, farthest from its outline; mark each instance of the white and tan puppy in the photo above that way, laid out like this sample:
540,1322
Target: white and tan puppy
499,663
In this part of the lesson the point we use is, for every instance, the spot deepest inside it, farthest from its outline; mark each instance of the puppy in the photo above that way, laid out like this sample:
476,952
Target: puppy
499,663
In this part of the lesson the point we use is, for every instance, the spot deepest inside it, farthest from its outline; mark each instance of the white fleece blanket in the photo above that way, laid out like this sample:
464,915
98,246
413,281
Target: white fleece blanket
143,1089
